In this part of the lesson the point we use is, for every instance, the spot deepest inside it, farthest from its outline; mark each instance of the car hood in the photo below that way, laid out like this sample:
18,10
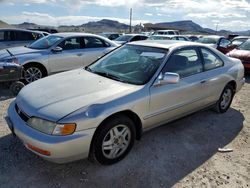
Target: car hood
120,42
240,54
57,96
17,51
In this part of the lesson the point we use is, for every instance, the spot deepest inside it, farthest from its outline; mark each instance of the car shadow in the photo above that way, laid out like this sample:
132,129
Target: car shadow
162,157
5,93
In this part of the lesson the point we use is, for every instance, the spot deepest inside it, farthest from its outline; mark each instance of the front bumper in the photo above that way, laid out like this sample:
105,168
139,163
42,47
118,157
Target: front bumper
62,148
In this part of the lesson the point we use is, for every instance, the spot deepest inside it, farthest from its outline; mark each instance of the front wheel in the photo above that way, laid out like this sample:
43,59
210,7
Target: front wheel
32,73
113,140
225,100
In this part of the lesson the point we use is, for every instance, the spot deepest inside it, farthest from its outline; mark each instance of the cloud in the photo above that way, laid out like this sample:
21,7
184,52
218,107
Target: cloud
215,15
148,14
47,19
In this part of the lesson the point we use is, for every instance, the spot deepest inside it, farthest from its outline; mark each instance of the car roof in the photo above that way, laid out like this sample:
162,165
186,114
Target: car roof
241,37
71,34
167,30
132,34
16,29
213,36
165,44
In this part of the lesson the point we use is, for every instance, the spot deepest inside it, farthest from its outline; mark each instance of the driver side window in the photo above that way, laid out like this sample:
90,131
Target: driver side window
72,43
224,43
185,62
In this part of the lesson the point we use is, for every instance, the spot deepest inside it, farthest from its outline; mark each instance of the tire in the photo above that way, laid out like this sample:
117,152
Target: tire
15,87
33,73
226,98
113,140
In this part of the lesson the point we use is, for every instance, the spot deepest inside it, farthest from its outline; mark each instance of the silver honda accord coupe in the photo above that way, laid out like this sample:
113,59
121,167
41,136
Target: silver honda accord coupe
100,110
56,53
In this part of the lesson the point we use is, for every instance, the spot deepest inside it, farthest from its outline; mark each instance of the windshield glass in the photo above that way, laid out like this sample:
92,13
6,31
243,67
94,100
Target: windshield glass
158,38
208,40
130,64
124,38
245,45
45,42
238,42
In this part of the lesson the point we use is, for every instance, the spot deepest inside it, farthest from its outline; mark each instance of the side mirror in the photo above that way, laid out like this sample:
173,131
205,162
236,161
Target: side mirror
167,78
57,49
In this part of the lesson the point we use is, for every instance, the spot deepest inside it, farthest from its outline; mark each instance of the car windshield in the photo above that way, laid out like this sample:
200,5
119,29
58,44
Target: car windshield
239,41
153,37
124,38
245,45
208,40
45,42
130,64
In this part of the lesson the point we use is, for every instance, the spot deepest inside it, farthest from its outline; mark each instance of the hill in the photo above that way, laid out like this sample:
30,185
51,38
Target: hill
4,25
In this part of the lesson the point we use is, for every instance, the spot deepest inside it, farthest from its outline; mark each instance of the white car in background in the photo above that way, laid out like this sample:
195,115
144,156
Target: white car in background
57,53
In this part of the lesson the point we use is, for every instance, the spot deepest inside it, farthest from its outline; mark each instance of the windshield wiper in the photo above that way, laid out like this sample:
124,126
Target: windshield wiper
10,53
107,75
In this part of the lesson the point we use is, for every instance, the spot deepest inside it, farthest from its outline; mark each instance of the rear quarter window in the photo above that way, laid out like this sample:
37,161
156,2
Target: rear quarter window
211,61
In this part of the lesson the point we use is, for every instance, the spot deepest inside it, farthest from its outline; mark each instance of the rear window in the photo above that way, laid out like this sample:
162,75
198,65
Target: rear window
1,35
24,36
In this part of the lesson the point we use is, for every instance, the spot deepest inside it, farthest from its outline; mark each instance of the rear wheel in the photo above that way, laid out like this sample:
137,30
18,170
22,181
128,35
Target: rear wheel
113,140
33,73
225,100
15,87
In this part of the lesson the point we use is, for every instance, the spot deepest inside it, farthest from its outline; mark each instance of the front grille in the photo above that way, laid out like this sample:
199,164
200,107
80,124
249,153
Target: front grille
22,115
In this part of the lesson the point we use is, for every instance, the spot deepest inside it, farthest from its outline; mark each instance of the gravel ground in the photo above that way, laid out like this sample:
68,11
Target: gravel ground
180,154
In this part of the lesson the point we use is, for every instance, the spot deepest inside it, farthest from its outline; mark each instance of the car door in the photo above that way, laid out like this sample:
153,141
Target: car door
94,48
170,101
224,45
214,77
71,56
7,39
21,38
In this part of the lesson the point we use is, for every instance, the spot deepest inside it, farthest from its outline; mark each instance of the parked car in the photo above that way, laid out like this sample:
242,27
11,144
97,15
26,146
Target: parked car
130,38
111,36
168,37
18,37
242,52
166,32
218,42
193,38
237,41
99,111
58,52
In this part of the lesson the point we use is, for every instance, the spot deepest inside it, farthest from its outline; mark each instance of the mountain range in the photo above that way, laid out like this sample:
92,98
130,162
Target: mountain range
105,25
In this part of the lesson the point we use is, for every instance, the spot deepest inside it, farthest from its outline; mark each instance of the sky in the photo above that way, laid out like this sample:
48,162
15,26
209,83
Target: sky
225,14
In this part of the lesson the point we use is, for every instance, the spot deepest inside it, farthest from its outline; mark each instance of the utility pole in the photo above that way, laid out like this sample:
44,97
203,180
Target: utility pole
130,21
217,28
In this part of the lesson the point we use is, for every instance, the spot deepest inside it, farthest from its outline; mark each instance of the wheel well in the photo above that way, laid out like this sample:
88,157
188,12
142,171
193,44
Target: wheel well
39,65
233,84
133,116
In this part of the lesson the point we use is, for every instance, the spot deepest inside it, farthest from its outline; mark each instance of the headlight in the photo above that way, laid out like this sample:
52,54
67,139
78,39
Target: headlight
49,127
10,60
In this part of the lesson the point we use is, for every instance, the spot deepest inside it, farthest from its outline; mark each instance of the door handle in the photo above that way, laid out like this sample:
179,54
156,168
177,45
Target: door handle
203,81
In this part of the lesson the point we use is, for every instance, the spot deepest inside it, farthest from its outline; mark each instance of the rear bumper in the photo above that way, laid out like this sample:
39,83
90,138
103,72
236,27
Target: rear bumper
62,148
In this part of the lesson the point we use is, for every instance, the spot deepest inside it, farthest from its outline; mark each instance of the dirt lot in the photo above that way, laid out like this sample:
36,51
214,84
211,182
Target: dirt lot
180,154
